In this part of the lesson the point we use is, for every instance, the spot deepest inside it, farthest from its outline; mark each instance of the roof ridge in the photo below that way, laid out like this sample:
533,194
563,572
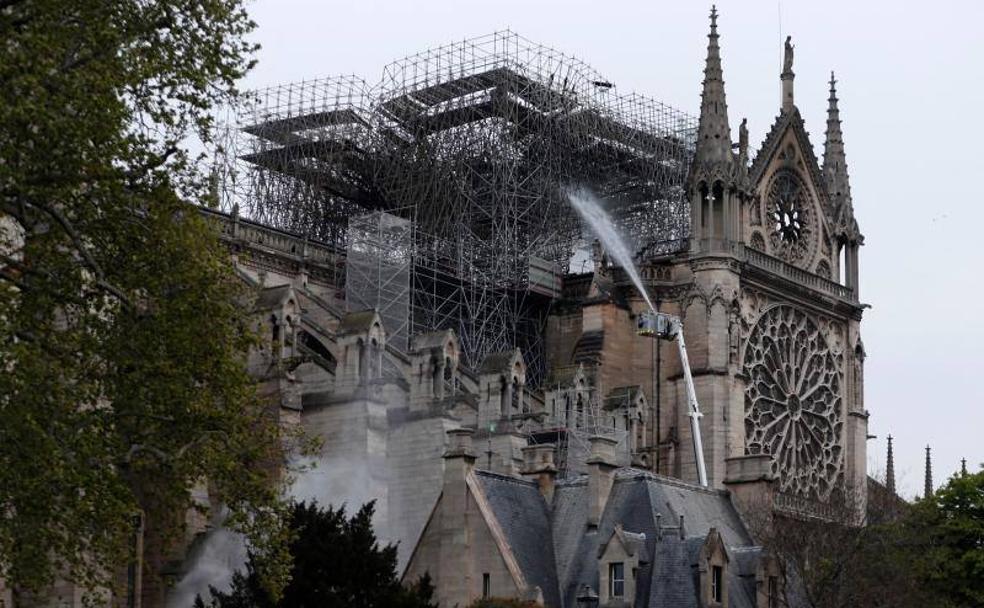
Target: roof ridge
633,474
505,477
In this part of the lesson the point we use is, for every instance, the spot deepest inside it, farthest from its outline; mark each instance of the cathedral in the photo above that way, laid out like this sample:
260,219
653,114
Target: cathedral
767,291
469,356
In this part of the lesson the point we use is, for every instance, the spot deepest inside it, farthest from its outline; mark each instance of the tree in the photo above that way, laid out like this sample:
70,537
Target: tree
928,554
833,556
337,561
949,527
122,330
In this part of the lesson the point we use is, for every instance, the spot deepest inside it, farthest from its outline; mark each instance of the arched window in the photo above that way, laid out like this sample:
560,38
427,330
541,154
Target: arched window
842,263
449,380
275,335
375,360
290,336
718,210
362,361
505,397
436,378
705,209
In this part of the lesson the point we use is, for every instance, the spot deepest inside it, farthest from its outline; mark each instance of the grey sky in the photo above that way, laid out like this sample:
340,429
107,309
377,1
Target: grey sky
911,84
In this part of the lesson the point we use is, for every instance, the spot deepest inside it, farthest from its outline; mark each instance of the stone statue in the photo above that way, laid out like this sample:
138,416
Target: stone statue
743,138
787,65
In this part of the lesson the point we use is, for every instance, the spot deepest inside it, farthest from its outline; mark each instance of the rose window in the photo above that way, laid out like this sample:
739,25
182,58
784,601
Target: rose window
790,217
793,402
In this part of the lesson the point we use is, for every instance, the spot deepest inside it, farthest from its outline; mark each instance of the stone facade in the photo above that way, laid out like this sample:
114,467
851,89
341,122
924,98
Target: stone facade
767,292
768,295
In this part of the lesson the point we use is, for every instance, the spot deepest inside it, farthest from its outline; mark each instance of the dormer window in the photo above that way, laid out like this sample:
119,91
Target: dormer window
619,560
616,579
713,570
717,584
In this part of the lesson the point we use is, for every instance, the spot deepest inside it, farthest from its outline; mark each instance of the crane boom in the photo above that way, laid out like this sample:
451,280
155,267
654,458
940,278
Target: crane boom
667,327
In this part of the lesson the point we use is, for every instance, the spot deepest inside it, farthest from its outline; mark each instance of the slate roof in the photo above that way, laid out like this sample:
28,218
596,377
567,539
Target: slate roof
356,322
673,576
525,520
564,375
498,362
431,340
271,297
559,552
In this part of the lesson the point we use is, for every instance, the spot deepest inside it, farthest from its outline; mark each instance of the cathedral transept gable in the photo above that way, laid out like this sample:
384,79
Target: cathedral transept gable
789,216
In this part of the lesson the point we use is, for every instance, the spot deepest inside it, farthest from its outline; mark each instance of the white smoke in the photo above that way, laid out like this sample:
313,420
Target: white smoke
220,553
593,213
333,481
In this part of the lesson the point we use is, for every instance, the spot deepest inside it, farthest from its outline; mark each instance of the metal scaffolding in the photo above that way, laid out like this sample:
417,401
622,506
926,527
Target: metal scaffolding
377,271
475,143
572,418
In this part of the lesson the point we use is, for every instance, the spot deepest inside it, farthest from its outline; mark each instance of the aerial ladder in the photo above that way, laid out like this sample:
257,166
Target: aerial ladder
664,326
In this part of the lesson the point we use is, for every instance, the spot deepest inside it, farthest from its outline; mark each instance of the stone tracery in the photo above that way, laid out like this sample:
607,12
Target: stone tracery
790,214
793,401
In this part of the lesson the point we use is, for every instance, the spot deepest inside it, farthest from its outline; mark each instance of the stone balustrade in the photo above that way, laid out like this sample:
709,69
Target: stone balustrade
800,506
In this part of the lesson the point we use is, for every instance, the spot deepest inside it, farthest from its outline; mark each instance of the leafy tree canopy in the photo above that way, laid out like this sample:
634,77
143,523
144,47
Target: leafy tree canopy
924,555
337,562
121,330
950,526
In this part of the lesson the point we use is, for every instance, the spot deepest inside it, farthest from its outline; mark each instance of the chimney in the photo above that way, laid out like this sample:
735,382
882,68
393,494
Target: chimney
752,488
601,476
538,463
587,598
454,552
459,458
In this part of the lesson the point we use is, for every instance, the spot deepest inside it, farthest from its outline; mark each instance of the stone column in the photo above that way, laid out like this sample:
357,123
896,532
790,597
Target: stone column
853,268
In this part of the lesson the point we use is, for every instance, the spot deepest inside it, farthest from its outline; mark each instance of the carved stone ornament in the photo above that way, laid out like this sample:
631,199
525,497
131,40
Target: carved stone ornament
791,218
755,212
793,401
823,269
757,242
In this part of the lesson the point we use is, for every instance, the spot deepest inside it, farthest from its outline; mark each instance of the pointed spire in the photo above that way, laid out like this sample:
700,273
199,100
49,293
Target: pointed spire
713,132
834,159
928,489
890,468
